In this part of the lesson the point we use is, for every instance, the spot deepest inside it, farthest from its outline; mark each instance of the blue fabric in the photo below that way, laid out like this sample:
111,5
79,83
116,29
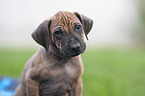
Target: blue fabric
8,86
6,93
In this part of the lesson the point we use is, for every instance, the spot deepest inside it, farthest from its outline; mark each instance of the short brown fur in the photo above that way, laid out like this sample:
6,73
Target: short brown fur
43,74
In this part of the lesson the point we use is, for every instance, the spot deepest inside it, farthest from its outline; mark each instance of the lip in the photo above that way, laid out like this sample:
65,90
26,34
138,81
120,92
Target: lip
76,53
72,54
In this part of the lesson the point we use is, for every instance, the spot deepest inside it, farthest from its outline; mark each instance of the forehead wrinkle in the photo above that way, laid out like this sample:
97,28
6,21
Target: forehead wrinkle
69,19
64,19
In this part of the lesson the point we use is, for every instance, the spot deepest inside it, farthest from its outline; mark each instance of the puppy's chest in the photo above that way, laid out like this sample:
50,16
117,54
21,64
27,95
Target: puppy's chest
71,71
60,80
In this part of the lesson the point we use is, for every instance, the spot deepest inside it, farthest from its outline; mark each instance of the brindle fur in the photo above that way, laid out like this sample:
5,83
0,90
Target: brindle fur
50,72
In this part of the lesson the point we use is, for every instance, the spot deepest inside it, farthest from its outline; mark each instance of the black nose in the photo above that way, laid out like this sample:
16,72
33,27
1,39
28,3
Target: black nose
75,47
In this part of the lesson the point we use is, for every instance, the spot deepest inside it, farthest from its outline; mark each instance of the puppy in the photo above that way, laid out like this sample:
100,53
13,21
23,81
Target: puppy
56,68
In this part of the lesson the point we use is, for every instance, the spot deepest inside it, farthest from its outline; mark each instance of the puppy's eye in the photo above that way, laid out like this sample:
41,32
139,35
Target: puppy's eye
58,33
78,27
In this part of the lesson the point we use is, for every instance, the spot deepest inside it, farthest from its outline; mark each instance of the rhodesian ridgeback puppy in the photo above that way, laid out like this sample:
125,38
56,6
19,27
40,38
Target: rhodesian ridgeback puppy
56,68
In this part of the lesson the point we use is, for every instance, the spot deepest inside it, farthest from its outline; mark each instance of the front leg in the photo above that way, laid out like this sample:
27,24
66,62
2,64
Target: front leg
77,89
32,87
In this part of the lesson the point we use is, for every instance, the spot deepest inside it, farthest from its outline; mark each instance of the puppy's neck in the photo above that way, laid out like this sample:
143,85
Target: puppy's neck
55,52
54,55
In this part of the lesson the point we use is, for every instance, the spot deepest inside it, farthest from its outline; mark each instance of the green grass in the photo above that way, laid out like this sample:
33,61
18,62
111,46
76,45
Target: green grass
107,72
12,61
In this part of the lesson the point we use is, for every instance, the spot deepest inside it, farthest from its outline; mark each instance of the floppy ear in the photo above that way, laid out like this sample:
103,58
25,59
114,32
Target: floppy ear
86,22
41,34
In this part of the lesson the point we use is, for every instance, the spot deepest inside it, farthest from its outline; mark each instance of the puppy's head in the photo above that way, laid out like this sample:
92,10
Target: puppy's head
64,32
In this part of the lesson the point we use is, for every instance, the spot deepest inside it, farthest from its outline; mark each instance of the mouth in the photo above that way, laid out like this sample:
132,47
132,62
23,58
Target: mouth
72,53
75,53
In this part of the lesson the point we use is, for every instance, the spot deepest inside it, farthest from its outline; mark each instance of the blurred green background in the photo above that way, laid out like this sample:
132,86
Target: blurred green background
114,62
